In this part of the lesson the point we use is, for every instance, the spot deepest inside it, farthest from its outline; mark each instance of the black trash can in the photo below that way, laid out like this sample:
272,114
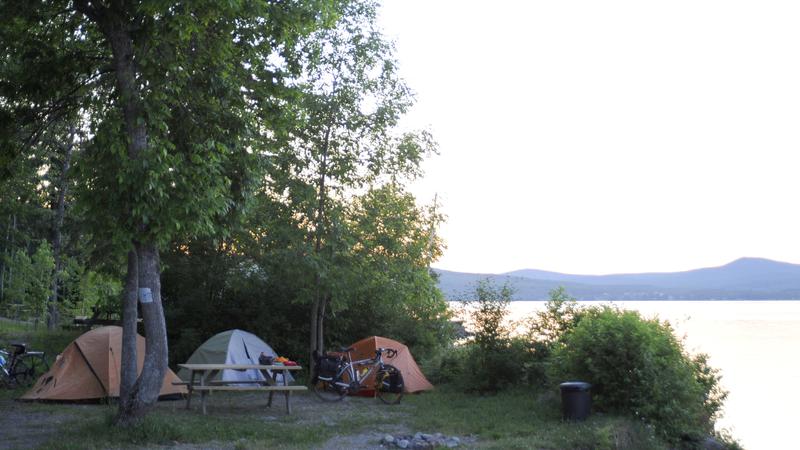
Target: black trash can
576,400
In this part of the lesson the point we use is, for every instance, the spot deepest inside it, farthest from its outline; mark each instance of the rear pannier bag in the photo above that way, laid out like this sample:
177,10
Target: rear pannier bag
327,366
392,382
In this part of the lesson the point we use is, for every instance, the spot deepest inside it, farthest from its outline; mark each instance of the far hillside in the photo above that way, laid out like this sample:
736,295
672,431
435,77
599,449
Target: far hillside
743,279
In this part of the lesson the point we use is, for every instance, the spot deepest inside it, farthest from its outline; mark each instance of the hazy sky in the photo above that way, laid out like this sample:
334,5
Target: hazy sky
607,136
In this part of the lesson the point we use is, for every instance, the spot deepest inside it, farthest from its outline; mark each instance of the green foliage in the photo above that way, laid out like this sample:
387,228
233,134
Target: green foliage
489,310
492,360
560,315
380,279
545,329
98,291
29,287
638,367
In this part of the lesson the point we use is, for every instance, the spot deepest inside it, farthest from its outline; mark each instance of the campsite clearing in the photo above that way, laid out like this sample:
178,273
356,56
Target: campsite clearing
519,419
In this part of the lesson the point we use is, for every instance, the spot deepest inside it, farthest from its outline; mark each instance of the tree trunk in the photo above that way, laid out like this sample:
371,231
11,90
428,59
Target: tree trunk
11,266
3,263
313,331
144,391
321,321
115,24
53,316
318,306
128,369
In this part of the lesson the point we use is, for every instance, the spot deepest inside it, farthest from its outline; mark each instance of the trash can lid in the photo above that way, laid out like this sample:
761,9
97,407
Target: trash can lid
575,386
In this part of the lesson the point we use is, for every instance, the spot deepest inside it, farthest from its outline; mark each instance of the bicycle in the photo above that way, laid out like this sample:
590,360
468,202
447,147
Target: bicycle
19,367
336,376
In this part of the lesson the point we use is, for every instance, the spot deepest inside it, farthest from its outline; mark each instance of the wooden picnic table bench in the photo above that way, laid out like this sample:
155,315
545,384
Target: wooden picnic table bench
201,379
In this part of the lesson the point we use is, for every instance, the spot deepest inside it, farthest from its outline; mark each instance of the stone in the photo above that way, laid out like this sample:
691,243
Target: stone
403,443
427,437
452,442
388,439
417,435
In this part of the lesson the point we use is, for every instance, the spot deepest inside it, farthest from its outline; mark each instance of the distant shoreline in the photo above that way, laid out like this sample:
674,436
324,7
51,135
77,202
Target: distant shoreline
657,300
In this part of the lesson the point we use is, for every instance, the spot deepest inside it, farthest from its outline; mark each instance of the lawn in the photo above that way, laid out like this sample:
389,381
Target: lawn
509,420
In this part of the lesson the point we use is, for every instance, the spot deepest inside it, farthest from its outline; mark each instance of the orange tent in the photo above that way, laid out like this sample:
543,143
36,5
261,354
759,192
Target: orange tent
89,369
413,378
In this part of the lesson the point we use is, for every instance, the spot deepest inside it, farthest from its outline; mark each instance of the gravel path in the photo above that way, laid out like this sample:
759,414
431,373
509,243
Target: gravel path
24,426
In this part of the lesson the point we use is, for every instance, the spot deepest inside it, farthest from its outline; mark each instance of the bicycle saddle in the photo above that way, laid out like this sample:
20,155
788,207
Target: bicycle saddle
18,348
346,349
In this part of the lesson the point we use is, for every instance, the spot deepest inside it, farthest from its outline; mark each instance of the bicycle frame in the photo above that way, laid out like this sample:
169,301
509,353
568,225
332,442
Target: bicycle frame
357,378
10,367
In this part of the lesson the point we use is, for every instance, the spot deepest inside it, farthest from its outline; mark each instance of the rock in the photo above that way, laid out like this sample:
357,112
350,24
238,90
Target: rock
421,444
417,436
427,437
452,442
388,439
403,443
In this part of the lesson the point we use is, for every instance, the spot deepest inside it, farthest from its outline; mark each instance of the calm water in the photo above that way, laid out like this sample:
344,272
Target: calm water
755,344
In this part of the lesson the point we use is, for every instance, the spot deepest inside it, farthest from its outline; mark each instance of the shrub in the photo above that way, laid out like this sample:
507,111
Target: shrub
637,366
491,360
545,329
560,315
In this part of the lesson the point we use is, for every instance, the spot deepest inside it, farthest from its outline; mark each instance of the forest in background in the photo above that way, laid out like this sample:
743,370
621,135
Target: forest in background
273,183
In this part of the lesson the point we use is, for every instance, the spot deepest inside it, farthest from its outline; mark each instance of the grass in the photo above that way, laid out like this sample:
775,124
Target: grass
161,428
511,420
235,420
524,419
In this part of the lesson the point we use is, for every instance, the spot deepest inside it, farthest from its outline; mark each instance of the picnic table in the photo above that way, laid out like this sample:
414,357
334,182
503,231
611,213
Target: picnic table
201,379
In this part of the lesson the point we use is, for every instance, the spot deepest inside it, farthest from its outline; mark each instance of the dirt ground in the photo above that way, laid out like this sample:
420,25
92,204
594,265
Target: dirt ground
26,425
22,426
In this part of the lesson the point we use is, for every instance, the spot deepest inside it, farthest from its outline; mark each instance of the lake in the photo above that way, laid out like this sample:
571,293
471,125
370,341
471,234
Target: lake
754,343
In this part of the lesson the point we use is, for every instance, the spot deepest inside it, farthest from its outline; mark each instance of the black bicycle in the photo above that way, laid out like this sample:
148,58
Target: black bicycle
338,375
19,366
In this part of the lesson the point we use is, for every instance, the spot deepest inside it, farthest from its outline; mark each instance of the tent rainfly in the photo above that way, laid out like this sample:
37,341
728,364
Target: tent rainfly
413,378
89,369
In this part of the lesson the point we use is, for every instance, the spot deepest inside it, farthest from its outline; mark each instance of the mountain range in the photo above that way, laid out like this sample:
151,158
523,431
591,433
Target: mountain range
743,279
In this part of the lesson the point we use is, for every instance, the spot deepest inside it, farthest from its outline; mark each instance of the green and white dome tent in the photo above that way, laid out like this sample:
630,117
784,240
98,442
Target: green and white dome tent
232,347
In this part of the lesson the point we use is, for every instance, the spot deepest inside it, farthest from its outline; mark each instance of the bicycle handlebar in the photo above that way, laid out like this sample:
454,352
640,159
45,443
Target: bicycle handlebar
390,352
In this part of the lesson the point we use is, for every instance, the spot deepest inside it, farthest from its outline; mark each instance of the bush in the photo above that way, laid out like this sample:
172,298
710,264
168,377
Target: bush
638,367
545,329
491,361
560,315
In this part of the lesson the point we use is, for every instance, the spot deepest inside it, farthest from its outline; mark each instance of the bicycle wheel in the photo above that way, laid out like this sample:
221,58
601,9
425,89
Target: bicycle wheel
327,389
389,385
38,365
22,373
